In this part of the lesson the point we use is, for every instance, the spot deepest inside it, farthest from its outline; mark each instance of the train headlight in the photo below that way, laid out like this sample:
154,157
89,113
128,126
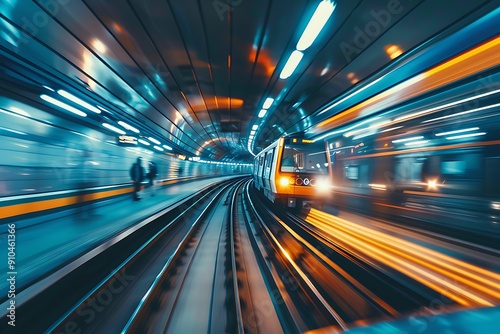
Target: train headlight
285,181
432,184
323,185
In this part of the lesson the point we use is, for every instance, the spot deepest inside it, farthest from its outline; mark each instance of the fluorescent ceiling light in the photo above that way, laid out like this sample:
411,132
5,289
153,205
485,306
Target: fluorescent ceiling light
167,147
379,124
447,105
255,127
291,64
407,139
350,133
262,113
415,143
142,141
269,101
13,131
158,148
463,113
371,127
113,128
467,135
456,131
78,101
351,95
62,105
363,135
390,129
331,133
154,140
20,111
128,127
316,23
252,132
415,114
104,109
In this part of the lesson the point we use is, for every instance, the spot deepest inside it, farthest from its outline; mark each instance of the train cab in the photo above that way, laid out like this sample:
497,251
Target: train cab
294,172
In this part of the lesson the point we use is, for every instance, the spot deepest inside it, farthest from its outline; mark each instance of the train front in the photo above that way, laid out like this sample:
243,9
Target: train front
303,173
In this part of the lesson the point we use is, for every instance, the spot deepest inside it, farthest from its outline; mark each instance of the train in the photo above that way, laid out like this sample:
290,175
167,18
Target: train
294,172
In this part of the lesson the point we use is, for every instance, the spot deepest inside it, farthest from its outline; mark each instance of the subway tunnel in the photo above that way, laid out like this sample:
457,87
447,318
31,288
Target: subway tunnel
249,166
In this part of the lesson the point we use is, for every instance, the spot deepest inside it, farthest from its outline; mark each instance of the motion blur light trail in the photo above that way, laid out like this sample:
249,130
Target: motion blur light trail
338,269
464,283
461,66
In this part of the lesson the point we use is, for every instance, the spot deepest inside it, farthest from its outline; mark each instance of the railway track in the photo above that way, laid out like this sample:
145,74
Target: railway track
211,285
104,282
189,294
223,261
194,272
331,287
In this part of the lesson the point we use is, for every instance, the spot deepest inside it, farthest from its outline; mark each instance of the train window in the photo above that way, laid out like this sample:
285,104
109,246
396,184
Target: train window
410,169
255,166
352,172
304,158
288,162
268,163
453,167
261,168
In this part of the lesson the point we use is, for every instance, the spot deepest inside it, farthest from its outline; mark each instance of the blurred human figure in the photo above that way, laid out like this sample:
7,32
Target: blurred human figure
137,176
85,180
152,174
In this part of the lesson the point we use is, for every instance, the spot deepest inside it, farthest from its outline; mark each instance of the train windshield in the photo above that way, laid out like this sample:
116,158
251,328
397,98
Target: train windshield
309,158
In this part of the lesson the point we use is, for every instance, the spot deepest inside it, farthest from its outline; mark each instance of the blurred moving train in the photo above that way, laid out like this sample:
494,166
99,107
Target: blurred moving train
431,148
434,160
293,171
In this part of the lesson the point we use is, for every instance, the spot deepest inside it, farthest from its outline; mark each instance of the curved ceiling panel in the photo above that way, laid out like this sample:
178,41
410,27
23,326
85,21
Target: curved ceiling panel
196,73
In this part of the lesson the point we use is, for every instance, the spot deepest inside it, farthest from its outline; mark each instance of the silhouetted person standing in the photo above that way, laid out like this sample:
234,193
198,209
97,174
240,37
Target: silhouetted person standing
137,175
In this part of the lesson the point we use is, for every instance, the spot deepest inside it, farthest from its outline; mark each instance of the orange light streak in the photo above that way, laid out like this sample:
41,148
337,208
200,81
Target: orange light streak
418,274
468,63
447,262
339,270
306,279
475,285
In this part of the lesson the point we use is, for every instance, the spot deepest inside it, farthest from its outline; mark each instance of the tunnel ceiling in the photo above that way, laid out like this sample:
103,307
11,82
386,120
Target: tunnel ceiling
196,73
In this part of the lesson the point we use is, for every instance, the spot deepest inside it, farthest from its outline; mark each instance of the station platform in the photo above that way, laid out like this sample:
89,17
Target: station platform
47,241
